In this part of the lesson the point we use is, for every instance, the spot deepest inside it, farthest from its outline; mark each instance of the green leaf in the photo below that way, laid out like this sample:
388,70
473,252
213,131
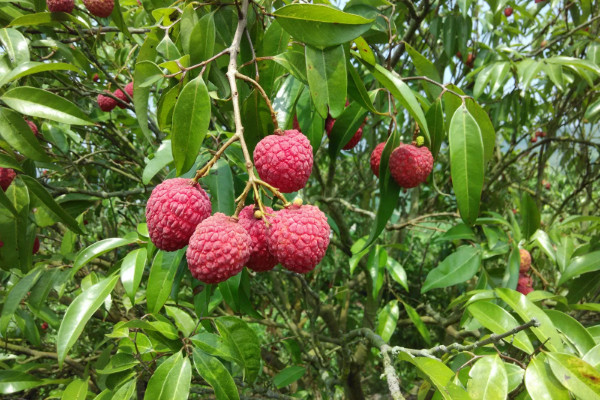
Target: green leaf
15,131
499,321
42,194
320,25
419,324
15,295
488,379
531,216
203,39
426,68
580,265
573,330
488,133
435,122
171,380
145,71
397,272
97,249
294,62
191,117
15,45
273,43
220,186
528,310
43,104
118,363
327,79
458,267
466,163
161,278
387,320
32,67
184,322
46,18
132,269
77,390
79,312
162,157
345,128
579,377
288,376
243,343
214,345
125,392
541,383
217,376
15,381
7,161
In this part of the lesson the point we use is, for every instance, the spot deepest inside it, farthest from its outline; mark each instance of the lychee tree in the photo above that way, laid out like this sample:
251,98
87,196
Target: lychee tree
362,199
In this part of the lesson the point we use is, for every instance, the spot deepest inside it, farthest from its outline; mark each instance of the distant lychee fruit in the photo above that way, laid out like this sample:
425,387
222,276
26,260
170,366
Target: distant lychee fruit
95,78
539,1
459,55
129,89
60,5
173,211
540,134
36,245
7,175
121,96
470,60
218,249
547,186
33,127
298,237
106,103
44,326
410,165
284,161
544,43
261,258
525,260
533,139
99,8
525,284
508,11
376,158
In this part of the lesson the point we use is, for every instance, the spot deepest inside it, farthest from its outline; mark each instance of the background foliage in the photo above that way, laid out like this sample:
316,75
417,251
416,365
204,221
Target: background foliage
416,294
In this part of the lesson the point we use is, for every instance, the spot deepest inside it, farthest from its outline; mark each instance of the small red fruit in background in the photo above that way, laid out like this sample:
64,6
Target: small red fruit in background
106,103
121,96
44,326
470,60
534,139
33,127
7,175
60,5
95,78
376,158
508,11
36,246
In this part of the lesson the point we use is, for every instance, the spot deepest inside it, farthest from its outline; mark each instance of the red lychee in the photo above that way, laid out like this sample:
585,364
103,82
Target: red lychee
329,122
261,258
95,78
508,11
174,209
376,158
298,237
410,165
121,96
7,175
44,326
533,139
99,8
470,60
60,5
106,103
33,127
459,55
284,161
129,89
218,249
525,260
36,246
524,289
296,124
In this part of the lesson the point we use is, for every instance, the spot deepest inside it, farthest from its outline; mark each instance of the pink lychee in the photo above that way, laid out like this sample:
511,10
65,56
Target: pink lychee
410,165
261,258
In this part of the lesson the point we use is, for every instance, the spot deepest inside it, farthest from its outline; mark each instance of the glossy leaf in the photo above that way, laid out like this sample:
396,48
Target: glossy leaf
76,390
15,131
435,122
171,380
387,320
217,376
46,18
579,377
161,277
573,330
466,163
419,324
182,319
132,269
488,379
580,265
32,67
203,39
243,342
15,45
531,216
41,103
288,376
15,295
327,79
397,272
458,267
97,249
345,128
220,186
79,312
162,157
145,71
320,25
541,383
488,133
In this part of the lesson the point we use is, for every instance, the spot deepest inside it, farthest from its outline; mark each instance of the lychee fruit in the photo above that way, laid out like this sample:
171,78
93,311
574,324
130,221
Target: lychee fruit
106,103
261,258
525,260
508,11
533,139
284,161
121,96
33,127
525,284
376,158
44,326
36,246
547,186
60,5
298,237
459,55
174,209
99,8
129,89
525,290
329,122
470,60
296,124
410,165
95,78
7,175
218,249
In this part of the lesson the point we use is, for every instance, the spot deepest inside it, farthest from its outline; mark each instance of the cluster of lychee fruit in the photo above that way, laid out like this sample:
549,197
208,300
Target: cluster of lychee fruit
178,213
525,283
538,134
99,8
107,103
409,164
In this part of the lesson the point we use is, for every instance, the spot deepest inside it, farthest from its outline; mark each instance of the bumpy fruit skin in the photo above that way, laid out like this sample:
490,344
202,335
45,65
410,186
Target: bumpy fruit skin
410,165
173,211
218,249
106,103
36,246
129,89
121,96
525,284
60,5
376,158
99,8
7,175
33,127
298,237
508,11
525,263
284,161
261,258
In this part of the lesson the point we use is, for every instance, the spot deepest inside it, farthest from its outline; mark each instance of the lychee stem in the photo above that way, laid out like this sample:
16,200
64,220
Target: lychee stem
201,173
264,96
